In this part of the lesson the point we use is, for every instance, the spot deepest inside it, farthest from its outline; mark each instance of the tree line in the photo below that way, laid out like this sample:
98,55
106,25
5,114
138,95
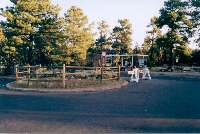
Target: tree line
34,33
181,20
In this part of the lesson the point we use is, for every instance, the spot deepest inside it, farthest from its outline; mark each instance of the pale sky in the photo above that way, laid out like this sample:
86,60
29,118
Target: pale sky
139,12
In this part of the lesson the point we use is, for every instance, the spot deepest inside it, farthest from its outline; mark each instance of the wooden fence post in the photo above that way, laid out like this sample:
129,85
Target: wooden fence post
38,71
95,73
16,72
63,76
119,70
29,72
101,73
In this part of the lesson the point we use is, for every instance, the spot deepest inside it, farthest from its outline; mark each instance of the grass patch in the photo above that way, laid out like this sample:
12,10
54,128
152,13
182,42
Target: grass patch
69,84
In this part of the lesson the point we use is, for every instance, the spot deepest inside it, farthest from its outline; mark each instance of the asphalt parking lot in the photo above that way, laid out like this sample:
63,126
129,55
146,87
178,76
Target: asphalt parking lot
167,103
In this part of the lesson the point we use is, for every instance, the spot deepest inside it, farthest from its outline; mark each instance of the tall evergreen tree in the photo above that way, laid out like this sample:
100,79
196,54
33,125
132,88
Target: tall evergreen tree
150,45
194,9
103,42
3,50
31,29
122,37
78,36
174,15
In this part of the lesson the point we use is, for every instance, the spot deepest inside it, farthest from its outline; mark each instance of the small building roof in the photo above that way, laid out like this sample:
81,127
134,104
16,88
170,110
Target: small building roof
127,55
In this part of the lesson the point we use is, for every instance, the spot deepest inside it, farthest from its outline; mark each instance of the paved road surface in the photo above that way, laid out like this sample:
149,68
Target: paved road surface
168,103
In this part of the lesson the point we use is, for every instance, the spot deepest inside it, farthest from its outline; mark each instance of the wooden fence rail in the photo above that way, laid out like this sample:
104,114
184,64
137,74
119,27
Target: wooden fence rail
64,72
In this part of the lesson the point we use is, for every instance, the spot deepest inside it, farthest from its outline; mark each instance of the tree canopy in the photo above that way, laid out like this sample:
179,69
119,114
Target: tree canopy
33,32
31,29
78,36
178,17
121,36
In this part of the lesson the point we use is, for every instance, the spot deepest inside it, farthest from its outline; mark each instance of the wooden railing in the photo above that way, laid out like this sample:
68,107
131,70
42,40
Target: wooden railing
67,72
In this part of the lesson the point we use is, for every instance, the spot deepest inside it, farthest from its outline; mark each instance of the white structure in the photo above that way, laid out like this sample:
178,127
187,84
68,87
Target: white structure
146,73
134,75
141,59
137,60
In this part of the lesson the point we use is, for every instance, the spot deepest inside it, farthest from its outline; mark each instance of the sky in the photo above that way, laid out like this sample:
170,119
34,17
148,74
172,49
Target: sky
139,12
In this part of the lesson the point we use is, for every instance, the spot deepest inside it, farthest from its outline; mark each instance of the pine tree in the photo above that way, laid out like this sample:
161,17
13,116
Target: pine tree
103,42
31,29
78,37
194,10
173,15
122,37
150,46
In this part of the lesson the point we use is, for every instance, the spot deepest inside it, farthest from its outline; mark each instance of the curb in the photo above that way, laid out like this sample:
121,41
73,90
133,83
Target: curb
177,73
76,90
